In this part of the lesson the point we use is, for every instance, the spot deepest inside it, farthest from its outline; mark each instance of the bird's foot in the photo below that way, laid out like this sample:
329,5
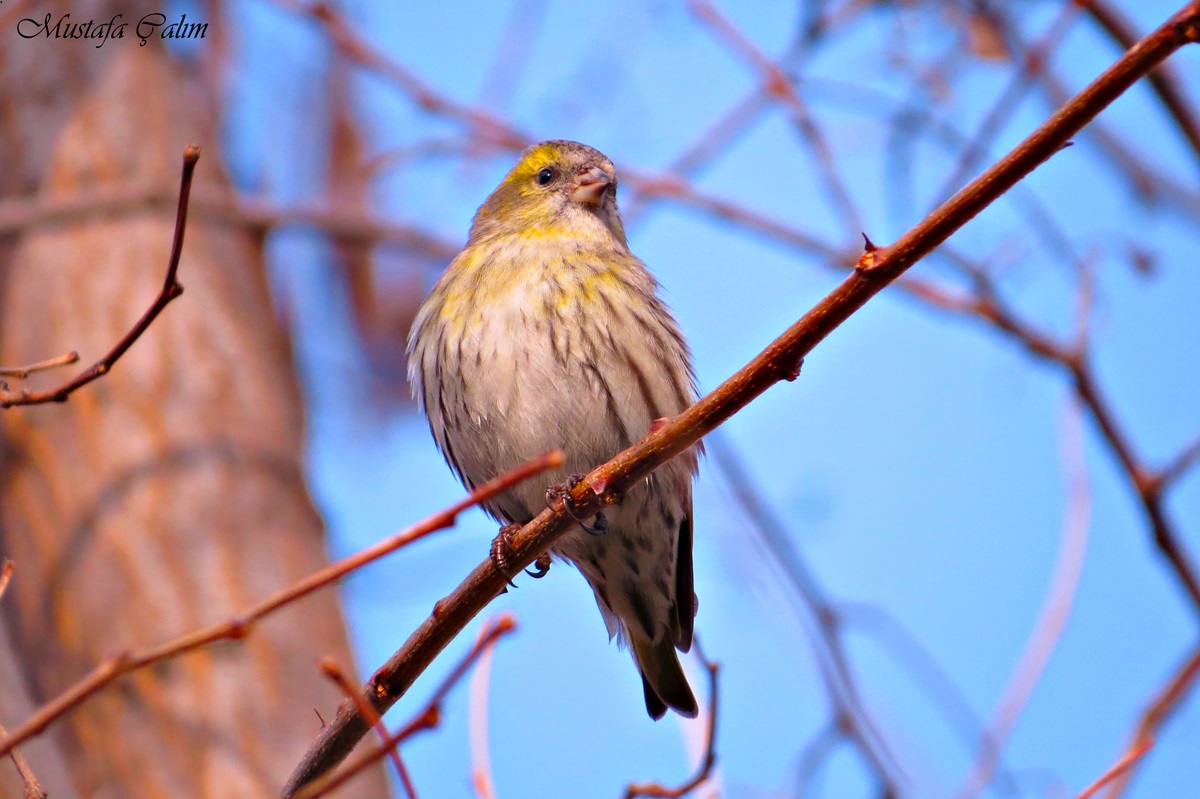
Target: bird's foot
563,491
502,550
541,566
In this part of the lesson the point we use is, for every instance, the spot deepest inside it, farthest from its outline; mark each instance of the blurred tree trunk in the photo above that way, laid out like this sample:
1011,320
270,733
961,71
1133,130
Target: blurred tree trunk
169,494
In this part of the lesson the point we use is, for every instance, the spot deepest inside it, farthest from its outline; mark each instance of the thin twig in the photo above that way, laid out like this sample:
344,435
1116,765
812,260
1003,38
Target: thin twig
1052,619
778,86
22,372
606,484
33,788
1127,761
170,290
254,214
330,668
1162,80
240,626
1164,704
6,573
477,727
428,717
818,616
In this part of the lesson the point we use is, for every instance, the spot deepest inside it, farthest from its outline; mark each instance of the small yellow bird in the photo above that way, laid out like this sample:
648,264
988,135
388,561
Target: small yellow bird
546,331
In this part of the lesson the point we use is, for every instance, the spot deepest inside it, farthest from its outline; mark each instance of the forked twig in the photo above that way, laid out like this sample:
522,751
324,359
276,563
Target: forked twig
170,290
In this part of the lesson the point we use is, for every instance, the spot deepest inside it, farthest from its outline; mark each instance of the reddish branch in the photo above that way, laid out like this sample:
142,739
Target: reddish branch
606,484
333,671
170,290
6,572
240,626
428,717
33,788
1163,705
1127,761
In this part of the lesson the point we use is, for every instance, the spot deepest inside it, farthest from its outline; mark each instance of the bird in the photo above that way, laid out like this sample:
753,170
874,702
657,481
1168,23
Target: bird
546,331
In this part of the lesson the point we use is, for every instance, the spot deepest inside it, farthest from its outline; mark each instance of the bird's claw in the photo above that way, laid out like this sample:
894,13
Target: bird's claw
502,549
541,566
563,492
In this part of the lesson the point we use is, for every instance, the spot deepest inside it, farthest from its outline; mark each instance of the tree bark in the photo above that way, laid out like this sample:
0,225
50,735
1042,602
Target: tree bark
169,493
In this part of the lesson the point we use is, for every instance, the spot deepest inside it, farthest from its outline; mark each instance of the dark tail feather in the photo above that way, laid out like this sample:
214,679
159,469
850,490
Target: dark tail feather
654,706
663,680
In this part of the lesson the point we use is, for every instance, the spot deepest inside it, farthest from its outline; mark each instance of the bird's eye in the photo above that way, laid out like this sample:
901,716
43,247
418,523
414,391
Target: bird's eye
545,176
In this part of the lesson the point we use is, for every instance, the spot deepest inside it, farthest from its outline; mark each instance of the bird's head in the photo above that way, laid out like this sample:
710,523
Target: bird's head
557,188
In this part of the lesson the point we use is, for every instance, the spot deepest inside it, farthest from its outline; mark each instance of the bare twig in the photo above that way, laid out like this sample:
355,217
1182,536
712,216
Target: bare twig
1047,631
333,671
819,617
22,372
1127,761
170,290
33,788
239,627
257,215
777,84
6,573
707,763
477,727
1030,64
606,484
427,717
1162,80
1156,715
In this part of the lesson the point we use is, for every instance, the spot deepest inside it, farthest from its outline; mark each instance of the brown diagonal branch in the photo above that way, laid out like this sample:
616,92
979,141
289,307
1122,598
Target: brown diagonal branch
779,361
170,290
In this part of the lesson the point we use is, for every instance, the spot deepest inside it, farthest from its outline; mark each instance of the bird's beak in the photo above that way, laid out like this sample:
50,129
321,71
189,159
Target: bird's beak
590,186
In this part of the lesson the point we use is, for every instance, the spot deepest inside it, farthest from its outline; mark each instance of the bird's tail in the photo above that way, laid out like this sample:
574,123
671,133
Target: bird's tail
662,678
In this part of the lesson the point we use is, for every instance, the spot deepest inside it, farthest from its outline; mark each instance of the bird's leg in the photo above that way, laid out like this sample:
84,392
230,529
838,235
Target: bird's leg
563,491
502,550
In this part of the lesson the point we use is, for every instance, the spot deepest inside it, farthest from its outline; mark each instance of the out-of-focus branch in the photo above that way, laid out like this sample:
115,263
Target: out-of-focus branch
6,573
655,789
1164,704
33,788
477,727
777,85
1030,64
605,485
259,216
1052,619
822,623
170,290
428,717
1162,80
239,627
22,372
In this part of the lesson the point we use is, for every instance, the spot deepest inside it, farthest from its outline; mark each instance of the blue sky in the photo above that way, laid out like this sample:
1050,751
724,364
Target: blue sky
917,462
